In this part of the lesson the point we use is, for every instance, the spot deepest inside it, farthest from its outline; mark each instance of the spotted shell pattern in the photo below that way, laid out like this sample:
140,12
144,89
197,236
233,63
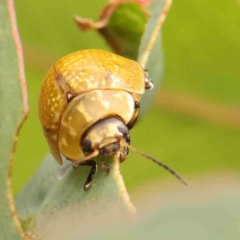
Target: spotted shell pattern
82,72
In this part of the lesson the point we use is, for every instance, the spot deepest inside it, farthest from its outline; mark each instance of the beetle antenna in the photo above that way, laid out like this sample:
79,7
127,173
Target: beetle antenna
89,157
92,155
123,144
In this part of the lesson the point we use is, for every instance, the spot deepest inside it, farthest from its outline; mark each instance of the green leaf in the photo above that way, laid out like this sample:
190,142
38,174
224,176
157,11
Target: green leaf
125,28
56,191
209,211
38,188
13,110
154,63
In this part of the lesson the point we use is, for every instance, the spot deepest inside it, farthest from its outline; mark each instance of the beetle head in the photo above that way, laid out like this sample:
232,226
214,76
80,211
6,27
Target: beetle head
104,136
108,137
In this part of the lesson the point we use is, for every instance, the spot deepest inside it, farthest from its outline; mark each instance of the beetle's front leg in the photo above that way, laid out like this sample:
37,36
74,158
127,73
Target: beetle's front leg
105,167
90,176
125,151
148,81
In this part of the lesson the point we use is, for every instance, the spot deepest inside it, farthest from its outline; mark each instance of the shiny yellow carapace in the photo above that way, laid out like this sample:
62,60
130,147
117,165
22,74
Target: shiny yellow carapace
88,102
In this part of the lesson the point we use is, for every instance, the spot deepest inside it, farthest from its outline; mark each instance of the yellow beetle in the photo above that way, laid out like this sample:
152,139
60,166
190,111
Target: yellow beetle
88,102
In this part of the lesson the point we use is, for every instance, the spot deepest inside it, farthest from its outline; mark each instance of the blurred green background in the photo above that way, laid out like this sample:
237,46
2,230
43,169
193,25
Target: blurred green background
193,124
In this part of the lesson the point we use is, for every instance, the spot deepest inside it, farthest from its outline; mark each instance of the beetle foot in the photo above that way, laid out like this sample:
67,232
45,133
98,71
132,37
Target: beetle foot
122,156
106,168
89,180
148,84
148,81
87,184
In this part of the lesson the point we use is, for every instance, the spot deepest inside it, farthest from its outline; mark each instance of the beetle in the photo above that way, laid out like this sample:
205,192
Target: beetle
88,103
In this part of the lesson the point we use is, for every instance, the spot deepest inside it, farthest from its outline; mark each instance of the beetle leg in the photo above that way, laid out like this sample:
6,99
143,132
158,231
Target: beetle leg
137,105
148,84
122,156
105,167
125,151
90,176
148,81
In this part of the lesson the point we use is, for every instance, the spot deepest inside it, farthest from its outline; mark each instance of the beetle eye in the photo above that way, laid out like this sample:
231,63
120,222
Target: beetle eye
87,146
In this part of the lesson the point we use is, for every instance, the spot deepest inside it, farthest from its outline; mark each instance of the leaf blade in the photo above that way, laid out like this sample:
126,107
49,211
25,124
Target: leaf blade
13,111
